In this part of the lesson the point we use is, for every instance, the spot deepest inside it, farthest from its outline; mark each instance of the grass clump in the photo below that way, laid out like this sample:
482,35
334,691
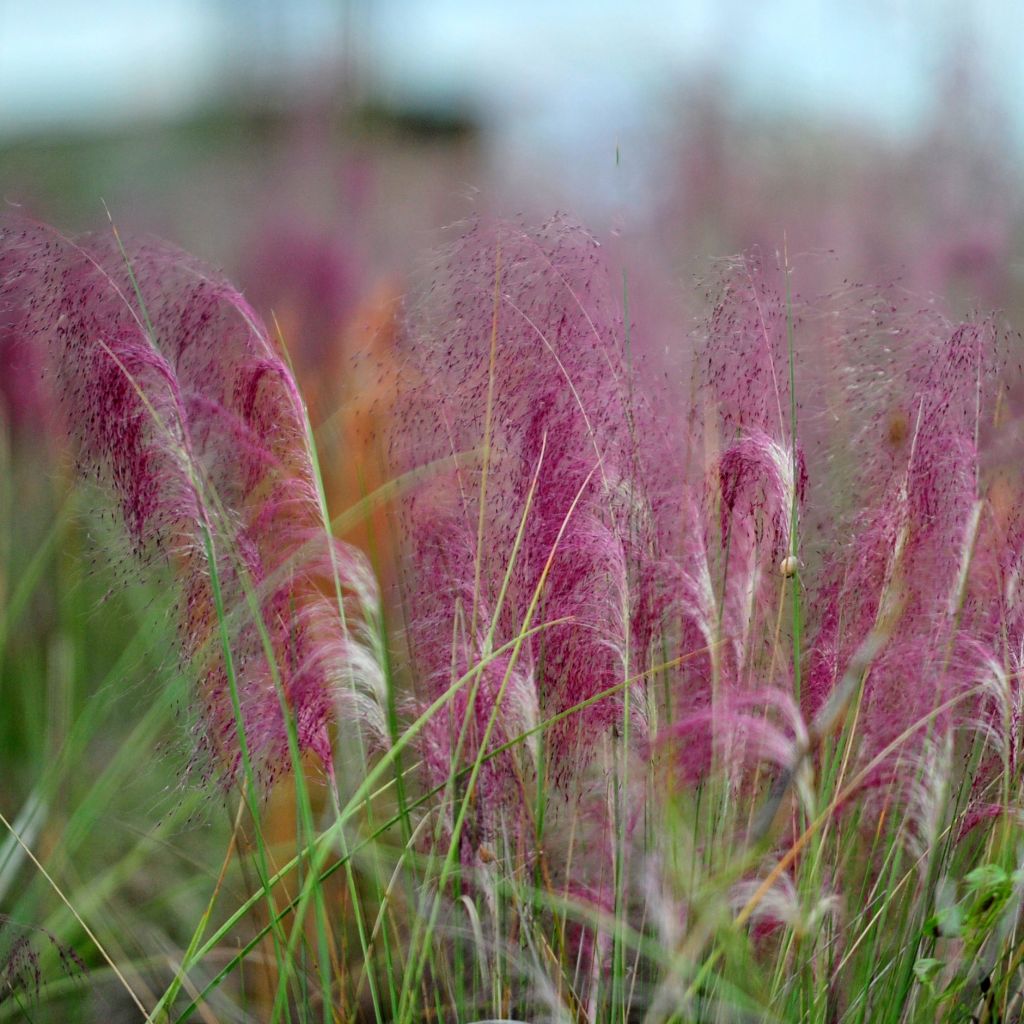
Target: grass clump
695,696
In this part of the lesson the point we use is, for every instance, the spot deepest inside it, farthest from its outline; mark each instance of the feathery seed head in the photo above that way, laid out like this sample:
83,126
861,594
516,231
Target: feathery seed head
182,407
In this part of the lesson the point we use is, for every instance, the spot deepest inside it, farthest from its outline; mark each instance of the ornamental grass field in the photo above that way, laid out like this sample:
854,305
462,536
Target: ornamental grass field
577,664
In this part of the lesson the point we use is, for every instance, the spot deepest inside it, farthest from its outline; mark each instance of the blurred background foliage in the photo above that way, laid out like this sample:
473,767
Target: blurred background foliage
699,128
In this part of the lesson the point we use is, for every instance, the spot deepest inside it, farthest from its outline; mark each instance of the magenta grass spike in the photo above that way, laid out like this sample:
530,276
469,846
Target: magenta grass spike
743,358
181,405
759,493
517,342
927,551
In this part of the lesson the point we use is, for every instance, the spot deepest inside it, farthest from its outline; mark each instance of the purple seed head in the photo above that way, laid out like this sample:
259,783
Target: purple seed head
182,407
517,343
923,555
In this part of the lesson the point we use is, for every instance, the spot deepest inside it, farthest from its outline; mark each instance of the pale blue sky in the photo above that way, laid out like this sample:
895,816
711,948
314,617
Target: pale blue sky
574,66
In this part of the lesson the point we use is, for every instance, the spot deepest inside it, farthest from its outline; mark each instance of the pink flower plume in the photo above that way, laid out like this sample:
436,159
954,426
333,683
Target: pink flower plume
182,407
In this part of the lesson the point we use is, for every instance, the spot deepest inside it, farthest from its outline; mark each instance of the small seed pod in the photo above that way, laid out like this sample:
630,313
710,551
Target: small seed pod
788,566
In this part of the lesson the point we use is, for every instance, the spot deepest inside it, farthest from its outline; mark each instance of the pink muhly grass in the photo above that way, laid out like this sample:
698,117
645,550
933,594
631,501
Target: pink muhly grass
740,731
759,491
742,357
309,279
928,551
745,479
995,720
22,395
182,406
918,550
517,341
456,734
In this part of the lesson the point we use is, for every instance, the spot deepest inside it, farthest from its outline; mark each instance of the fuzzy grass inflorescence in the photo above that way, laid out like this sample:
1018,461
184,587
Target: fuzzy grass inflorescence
181,404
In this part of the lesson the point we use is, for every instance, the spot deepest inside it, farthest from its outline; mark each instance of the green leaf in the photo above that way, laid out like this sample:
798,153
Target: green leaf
926,968
986,878
946,922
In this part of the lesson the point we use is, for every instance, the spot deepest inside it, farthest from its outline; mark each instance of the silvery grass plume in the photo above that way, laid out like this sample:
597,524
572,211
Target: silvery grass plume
516,382
181,406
